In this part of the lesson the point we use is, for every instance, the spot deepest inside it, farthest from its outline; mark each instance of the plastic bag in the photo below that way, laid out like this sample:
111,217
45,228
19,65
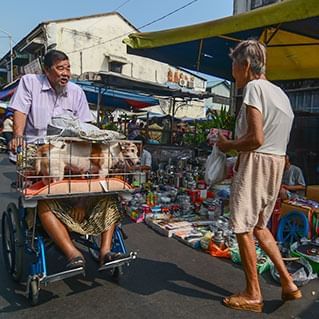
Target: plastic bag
215,167
69,126
216,251
263,261
300,271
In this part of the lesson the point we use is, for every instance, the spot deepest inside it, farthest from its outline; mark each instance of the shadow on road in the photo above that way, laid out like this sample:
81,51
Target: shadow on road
145,277
152,276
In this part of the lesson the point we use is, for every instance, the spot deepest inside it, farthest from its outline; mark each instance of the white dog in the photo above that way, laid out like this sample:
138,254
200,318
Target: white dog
82,158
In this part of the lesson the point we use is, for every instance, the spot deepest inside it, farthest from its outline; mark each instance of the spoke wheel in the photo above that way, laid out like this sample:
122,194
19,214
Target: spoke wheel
292,227
8,243
12,242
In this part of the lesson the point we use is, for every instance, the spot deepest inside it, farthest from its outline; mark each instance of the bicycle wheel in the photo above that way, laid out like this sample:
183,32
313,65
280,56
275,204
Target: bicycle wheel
292,227
12,242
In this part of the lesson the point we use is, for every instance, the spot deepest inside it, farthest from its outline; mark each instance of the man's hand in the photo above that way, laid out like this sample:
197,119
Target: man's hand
78,214
15,142
223,143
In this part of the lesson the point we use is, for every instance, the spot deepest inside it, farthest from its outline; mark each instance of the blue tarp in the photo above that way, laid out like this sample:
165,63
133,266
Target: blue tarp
110,98
115,98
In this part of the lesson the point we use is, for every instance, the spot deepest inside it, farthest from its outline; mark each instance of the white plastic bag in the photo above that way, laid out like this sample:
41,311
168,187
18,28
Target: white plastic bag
215,167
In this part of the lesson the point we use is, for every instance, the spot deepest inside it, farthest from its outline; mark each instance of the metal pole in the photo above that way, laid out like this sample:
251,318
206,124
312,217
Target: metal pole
98,107
11,53
11,59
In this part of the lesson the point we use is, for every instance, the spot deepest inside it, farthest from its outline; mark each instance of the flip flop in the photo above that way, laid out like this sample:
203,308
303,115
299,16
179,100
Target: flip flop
293,295
111,256
76,262
239,302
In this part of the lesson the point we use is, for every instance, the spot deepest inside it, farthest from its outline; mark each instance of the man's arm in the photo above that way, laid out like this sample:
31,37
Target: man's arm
19,121
254,137
293,187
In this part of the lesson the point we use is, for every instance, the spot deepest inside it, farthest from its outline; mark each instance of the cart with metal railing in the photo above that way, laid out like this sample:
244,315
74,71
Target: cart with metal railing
59,169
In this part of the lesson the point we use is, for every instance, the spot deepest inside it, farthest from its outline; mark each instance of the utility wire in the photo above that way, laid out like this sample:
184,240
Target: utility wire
122,5
167,15
143,26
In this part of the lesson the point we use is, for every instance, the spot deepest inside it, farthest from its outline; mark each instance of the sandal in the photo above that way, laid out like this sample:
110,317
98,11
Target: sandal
293,295
111,256
76,262
239,302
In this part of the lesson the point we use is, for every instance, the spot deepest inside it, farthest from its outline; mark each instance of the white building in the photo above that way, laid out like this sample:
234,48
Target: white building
93,44
221,89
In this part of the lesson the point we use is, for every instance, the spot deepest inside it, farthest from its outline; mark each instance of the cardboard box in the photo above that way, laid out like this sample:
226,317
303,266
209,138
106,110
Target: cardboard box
312,192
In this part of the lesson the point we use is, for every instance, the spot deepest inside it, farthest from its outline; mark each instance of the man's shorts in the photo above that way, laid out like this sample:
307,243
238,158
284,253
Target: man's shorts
254,190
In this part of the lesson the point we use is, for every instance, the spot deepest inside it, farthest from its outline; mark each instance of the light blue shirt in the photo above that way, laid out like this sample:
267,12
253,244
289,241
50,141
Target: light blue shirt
293,176
36,98
146,158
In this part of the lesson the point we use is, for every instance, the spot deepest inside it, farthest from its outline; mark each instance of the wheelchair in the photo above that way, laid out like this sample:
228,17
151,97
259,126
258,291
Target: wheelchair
23,245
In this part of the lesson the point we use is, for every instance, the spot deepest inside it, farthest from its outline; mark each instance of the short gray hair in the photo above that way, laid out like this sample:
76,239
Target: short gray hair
252,52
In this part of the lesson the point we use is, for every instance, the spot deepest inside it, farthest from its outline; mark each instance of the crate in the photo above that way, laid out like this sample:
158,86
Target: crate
73,167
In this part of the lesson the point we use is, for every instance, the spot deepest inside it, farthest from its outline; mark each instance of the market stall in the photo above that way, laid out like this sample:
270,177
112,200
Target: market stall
289,29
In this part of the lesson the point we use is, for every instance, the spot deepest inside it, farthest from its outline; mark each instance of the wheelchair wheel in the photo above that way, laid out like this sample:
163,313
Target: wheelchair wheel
12,242
292,227
34,289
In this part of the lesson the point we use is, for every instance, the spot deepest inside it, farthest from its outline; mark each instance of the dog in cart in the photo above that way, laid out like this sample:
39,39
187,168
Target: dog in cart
57,170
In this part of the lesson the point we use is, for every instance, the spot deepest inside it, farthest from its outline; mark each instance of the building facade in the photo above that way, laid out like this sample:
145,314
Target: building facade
221,98
94,44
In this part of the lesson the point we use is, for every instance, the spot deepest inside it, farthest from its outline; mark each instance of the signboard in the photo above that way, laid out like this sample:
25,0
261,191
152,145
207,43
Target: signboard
33,67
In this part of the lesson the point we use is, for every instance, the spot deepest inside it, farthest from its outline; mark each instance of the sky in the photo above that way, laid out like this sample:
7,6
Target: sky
19,17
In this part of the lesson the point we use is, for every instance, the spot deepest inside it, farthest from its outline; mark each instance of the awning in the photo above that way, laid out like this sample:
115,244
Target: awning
7,93
290,29
128,84
115,98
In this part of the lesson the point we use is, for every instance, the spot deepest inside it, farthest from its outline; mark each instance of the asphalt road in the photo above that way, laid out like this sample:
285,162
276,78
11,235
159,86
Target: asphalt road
168,280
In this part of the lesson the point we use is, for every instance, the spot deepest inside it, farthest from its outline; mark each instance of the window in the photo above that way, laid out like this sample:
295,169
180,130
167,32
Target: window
115,66
260,3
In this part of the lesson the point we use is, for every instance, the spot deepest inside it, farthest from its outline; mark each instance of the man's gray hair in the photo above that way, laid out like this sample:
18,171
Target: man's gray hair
252,52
